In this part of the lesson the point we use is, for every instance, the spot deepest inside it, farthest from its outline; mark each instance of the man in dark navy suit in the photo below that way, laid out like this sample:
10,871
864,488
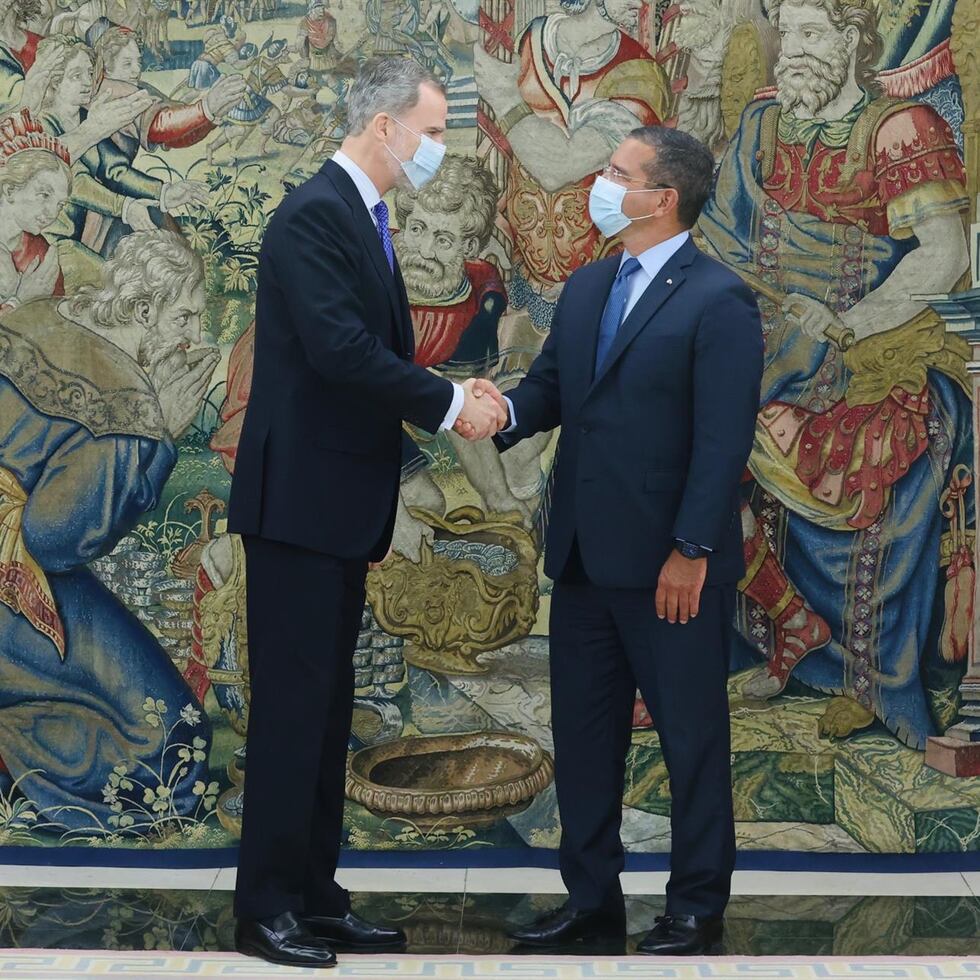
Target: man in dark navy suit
652,369
314,497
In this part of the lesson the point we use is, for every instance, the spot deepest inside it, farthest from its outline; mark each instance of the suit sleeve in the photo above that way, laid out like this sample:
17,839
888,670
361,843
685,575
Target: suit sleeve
319,276
727,381
537,399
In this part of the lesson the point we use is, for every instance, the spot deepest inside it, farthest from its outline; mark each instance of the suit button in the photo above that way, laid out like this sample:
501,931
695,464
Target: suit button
586,429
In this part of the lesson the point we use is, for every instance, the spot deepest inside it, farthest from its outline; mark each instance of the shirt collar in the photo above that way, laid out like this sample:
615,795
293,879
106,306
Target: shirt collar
655,258
363,183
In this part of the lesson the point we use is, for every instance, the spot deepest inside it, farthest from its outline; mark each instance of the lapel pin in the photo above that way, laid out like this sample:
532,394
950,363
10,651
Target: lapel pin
670,282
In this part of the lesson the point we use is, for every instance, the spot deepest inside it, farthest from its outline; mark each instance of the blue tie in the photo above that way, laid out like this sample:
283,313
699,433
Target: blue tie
380,211
612,315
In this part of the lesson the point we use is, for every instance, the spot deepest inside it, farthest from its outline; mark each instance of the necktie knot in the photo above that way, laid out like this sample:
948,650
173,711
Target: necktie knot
381,213
628,268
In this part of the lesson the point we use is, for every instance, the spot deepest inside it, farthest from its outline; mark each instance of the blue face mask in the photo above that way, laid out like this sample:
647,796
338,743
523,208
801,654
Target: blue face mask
426,160
606,206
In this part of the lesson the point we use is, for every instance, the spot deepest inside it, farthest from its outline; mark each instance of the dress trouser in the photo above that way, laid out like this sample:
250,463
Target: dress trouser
604,644
304,615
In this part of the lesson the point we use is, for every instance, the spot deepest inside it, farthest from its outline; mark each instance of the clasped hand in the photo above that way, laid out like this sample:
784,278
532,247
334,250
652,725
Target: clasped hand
484,411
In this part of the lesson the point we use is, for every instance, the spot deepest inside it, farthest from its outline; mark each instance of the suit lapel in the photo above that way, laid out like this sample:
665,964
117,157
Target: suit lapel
667,282
407,327
369,236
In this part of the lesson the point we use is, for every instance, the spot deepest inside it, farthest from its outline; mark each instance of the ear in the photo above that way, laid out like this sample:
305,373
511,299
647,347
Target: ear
671,200
851,38
471,247
381,125
143,313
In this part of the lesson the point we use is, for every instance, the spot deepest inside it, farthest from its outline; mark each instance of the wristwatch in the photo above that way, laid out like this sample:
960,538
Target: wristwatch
689,550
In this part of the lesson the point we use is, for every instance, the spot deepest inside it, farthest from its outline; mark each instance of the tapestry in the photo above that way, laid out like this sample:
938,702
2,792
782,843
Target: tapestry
144,146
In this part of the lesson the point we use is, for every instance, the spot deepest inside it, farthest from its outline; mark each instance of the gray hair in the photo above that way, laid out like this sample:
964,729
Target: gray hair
150,267
386,85
682,162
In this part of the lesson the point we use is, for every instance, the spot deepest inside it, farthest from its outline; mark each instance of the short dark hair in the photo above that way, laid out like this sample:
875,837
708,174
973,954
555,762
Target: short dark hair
682,162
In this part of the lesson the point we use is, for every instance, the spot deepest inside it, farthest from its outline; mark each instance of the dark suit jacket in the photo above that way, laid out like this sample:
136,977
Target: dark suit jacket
654,447
321,446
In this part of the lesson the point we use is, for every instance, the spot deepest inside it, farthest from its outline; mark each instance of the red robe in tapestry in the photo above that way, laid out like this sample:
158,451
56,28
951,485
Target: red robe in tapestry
33,247
439,328
238,386
166,124
28,53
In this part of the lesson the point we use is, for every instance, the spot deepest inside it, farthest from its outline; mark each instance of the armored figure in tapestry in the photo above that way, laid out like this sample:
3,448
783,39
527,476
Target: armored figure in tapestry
845,206
577,84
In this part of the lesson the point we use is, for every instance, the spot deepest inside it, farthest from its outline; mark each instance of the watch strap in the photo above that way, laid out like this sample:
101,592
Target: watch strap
690,550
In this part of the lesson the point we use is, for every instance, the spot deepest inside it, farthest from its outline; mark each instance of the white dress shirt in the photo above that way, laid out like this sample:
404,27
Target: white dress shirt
651,262
370,197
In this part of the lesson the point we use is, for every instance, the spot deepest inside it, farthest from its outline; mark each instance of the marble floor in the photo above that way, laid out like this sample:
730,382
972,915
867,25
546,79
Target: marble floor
468,911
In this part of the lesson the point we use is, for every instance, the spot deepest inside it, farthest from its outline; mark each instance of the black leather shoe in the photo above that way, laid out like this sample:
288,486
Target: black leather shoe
568,925
682,935
282,939
353,932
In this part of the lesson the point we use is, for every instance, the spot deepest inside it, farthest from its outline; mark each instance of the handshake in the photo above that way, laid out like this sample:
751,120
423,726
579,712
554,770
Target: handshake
484,411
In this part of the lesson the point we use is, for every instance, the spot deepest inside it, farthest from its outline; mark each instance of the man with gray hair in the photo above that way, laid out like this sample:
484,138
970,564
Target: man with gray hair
314,497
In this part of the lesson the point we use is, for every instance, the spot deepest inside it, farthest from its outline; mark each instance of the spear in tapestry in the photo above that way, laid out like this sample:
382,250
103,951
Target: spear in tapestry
841,336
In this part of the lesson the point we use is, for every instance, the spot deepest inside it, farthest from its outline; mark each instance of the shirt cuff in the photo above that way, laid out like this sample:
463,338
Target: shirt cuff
455,407
510,415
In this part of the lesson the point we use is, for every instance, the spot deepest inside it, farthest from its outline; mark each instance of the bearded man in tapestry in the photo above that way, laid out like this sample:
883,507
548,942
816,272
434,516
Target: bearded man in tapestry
95,390
843,205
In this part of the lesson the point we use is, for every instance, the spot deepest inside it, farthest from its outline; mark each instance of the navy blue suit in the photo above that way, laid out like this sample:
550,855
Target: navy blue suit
314,495
652,449
318,463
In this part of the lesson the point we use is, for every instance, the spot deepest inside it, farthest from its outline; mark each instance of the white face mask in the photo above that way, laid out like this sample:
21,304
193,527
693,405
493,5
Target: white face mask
606,205
425,161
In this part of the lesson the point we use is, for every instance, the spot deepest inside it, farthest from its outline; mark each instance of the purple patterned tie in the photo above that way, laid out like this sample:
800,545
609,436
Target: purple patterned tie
380,211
